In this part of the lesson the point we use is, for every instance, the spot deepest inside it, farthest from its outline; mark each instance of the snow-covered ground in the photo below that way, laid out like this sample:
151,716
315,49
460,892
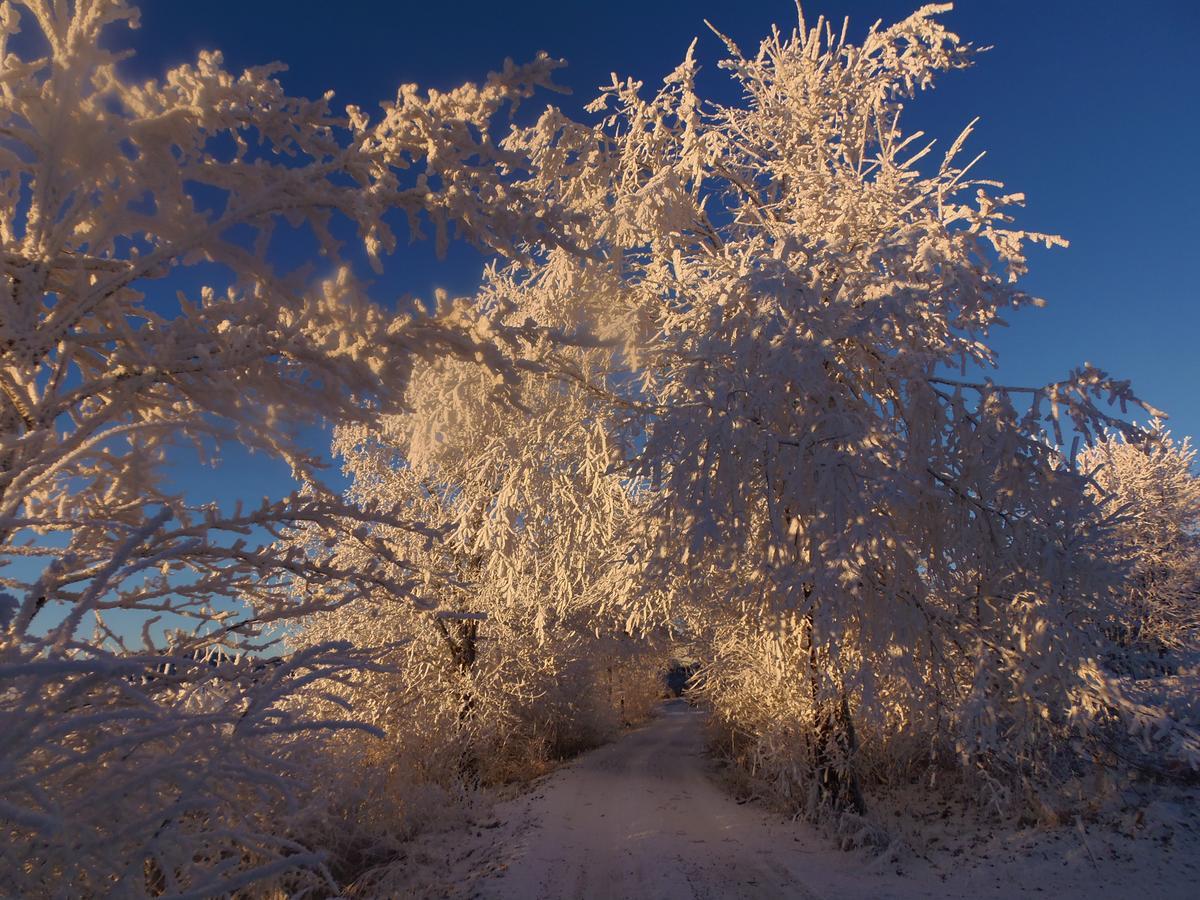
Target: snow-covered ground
645,817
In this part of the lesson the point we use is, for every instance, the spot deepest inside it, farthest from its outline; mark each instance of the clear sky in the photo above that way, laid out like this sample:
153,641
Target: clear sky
1090,108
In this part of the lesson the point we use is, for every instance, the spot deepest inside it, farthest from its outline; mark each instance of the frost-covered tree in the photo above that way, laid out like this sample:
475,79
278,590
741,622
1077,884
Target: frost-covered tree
1150,488
144,310
897,547
470,686
514,653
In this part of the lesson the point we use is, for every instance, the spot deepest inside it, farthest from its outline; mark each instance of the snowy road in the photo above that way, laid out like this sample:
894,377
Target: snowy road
643,818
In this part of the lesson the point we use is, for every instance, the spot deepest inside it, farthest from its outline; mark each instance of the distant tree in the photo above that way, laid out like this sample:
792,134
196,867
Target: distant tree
1150,489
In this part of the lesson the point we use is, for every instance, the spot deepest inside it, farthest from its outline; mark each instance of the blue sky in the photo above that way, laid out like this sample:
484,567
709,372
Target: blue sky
1090,108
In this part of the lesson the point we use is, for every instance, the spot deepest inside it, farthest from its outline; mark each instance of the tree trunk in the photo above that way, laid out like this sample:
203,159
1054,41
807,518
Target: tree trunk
463,647
835,742
835,745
